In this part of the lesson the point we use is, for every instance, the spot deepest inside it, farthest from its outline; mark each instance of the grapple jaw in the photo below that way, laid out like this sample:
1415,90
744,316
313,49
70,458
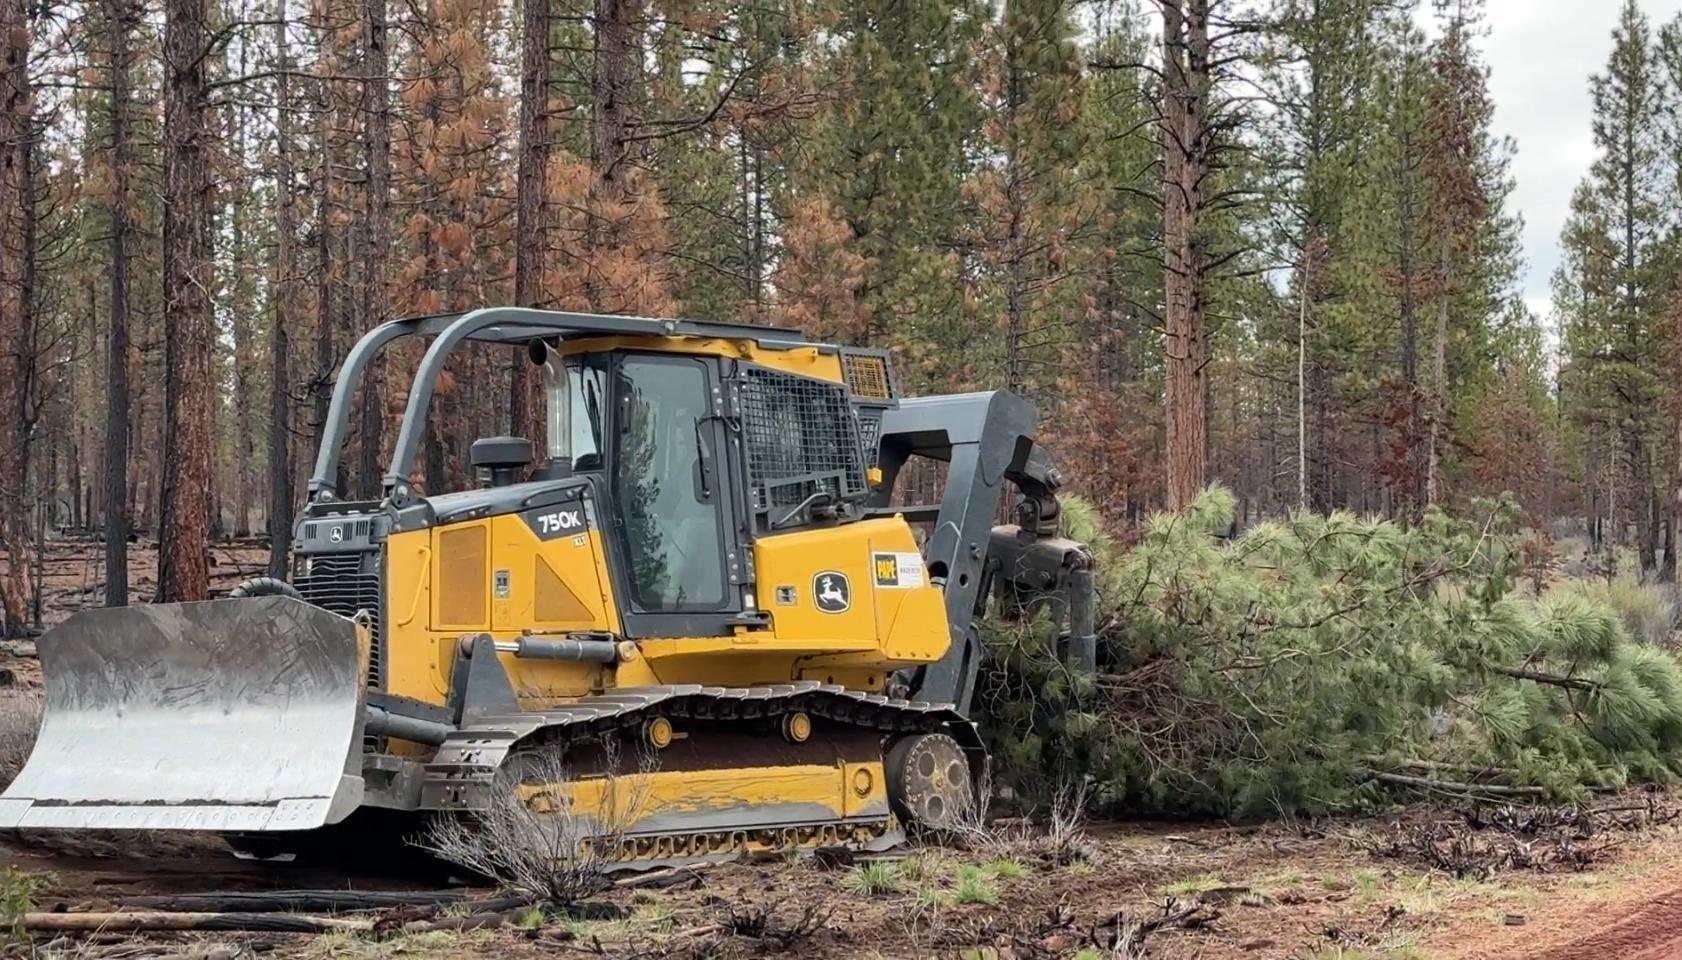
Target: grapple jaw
225,715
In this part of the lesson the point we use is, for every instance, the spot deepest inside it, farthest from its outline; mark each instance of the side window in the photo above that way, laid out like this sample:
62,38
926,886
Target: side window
670,528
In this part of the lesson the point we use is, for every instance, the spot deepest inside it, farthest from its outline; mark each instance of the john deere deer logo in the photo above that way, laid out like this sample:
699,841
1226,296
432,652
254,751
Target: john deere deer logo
831,591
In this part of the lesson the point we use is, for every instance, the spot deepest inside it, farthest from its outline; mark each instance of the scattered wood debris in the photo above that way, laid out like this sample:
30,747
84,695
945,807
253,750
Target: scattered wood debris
1486,839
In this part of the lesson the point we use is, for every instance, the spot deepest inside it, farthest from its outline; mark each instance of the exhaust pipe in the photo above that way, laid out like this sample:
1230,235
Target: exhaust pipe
557,442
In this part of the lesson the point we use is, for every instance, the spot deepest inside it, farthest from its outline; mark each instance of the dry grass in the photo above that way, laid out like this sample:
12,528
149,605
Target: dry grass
20,719
532,843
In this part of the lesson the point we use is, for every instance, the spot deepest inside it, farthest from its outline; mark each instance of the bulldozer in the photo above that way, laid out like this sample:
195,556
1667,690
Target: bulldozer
706,566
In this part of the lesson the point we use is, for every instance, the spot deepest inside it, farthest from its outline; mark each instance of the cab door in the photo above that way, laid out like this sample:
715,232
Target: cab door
672,510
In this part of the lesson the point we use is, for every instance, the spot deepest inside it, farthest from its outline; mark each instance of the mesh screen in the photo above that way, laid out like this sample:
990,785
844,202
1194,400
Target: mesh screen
867,376
801,438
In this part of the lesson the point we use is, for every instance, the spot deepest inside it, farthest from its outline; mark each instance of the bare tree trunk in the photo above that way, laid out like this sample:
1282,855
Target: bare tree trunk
1439,390
330,245
376,300
244,448
280,337
531,229
16,212
184,508
1673,522
613,88
320,379
1185,55
1302,387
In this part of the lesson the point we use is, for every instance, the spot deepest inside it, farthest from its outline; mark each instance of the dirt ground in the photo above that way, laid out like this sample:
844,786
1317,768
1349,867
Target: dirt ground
1278,891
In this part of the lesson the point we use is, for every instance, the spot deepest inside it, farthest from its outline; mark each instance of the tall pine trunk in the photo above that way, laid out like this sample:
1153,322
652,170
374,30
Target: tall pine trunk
1438,409
613,87
280,343
16,213
1185,55
530,229
376,300
184,508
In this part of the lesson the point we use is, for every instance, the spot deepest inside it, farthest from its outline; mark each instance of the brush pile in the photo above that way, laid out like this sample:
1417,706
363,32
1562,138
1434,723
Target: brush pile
1328,663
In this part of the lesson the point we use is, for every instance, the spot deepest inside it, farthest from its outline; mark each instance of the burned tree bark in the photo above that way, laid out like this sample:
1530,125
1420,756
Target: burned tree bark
16,213
184,509
280,364
531,235
1185,138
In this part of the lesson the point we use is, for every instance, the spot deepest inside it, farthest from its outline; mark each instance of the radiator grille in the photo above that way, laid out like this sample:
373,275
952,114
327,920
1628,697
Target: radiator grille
346,583
801,438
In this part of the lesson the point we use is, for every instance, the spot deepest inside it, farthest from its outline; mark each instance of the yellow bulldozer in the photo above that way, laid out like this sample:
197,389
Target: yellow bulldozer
706,566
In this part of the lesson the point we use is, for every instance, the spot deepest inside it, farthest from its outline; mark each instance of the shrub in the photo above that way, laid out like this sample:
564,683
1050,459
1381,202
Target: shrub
1649,611
17,898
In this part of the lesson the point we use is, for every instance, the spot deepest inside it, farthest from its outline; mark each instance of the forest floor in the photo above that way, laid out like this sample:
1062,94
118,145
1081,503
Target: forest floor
1544,887
72,572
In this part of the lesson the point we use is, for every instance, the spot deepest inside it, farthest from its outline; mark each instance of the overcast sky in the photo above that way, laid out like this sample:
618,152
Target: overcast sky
1541,53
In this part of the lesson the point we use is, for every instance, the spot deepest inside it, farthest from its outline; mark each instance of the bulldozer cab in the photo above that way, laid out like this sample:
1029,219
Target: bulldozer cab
681,442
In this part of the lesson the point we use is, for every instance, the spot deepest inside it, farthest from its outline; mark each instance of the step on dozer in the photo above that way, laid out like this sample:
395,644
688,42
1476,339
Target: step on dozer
706,568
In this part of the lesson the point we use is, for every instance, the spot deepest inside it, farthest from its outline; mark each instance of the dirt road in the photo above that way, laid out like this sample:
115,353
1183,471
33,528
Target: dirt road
1633,918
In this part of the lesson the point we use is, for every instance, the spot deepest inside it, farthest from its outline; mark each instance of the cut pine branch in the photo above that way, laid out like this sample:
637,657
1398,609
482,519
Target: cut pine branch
1455,786
1552,679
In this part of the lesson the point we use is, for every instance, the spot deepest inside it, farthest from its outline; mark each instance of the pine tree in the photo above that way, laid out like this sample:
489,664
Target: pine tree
1031,206
375,233
889,152
280,333
184,507
17,190
1613,281
1108,433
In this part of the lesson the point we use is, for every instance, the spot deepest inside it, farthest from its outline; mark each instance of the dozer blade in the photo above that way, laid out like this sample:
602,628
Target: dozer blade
222,715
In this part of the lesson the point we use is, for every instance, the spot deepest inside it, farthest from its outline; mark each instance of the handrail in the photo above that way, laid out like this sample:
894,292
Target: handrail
491,324
321,484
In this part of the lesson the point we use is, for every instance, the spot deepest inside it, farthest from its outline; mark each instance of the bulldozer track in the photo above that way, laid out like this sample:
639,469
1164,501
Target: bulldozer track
462,772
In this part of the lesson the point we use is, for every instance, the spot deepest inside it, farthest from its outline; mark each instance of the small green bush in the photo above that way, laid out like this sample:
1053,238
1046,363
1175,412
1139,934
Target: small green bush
873,879
17,898
974,886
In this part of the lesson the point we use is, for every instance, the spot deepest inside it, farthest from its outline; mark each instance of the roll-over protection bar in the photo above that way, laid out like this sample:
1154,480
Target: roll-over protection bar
506,325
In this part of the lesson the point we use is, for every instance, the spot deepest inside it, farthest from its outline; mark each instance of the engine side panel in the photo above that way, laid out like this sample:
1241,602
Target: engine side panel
542,571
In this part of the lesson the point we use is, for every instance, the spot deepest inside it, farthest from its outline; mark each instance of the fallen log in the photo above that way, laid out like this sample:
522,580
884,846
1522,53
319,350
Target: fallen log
306,901
142,922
